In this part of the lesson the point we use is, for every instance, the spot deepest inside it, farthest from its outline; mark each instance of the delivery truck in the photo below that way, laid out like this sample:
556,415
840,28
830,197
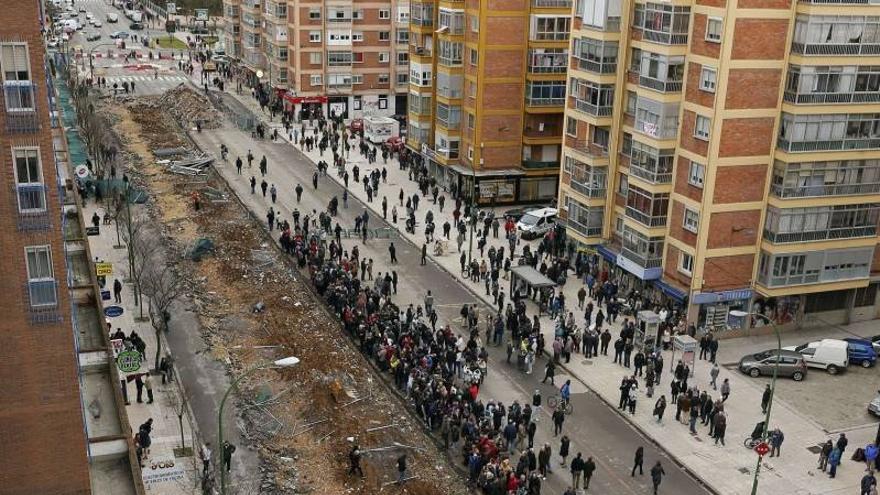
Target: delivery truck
378,129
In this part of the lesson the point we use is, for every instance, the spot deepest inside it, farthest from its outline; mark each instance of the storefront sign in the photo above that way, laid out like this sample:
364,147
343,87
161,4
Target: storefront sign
201,14
161,472
103,269
728,295
428,151
305,99
129,361
113,311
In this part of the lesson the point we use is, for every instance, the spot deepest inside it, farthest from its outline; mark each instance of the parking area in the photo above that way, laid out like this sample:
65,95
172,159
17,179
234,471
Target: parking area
836,402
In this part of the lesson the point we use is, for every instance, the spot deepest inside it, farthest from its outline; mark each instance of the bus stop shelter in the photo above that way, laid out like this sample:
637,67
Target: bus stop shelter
528,280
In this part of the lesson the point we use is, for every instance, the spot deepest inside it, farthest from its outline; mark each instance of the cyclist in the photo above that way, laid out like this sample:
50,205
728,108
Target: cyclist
565,393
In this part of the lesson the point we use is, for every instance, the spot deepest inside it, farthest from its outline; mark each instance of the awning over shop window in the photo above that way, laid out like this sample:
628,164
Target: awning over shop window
607,253
670,290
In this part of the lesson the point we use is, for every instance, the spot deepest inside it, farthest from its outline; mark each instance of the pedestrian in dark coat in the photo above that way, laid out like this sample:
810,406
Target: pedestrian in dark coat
563,449
657,474
765,399
639,460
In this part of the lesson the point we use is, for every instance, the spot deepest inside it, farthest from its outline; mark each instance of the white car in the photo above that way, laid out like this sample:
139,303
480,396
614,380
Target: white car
89,15
97,23
82,9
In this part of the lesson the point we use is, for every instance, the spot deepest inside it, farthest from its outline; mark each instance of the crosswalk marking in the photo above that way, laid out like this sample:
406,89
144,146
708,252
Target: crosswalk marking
119,79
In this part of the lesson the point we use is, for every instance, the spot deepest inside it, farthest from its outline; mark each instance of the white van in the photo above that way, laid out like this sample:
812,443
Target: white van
830,355
112,17
537,222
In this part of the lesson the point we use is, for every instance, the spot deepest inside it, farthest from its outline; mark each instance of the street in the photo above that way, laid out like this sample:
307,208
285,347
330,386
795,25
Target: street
594,428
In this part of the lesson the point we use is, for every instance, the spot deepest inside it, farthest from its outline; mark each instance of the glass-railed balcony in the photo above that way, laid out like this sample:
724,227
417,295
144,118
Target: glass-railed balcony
587,180
648,163
648,209
596,56
646,252
591,98
831,132
552,4
662,23
832,265
583,219
545,93
548,60
836,35
821,223
833,178
838,84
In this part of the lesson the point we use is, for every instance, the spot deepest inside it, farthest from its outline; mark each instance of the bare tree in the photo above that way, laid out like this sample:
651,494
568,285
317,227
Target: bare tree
144,245
163,286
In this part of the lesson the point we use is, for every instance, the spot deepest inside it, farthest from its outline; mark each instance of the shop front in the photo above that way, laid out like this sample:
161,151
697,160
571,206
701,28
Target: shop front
305,107
630,277
714,308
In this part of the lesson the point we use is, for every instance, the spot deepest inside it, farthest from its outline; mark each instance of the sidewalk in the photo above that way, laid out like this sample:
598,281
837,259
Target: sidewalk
727,469
163,472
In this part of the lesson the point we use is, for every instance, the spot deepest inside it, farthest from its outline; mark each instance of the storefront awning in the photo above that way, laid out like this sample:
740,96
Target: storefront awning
607,253
486,172
531,276
670,290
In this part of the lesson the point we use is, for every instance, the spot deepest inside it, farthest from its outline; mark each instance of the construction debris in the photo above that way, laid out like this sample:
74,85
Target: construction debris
188,108
189,165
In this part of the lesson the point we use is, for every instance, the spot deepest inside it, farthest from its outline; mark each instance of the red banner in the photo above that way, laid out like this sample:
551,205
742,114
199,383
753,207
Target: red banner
305,99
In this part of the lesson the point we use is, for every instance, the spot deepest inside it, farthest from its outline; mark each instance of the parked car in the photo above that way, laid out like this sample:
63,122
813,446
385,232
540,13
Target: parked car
395,144
356,126
136,26
97,23
830,355
93,36
112,17
119,35
89,16
536,222
874,405
518,212
82,9
791,364
861,351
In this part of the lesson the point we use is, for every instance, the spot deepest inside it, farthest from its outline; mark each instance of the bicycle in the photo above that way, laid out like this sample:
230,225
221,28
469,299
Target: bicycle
557,402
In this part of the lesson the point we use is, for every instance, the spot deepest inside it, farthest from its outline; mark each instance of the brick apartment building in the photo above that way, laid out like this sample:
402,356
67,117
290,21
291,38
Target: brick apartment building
350,57
42,437
487,93
725,154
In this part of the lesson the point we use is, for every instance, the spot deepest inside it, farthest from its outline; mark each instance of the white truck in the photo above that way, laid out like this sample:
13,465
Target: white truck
134,15
378,129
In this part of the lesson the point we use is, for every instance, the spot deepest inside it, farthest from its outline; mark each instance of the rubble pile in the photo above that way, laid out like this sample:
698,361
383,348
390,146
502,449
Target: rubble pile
188,107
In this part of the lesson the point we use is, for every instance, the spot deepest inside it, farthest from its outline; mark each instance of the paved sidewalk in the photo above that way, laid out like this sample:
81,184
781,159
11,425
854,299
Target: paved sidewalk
727,469
182,477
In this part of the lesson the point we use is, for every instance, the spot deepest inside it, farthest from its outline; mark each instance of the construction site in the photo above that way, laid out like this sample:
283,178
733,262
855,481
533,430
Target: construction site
254,304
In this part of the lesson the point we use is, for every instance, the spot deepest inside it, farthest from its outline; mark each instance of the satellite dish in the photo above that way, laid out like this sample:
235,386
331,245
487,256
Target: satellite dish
260,74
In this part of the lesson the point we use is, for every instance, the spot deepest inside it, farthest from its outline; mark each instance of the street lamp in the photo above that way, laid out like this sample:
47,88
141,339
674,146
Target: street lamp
472,216
739,314
288,362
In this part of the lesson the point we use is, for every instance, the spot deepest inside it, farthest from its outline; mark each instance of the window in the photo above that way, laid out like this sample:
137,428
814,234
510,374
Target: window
14,62
474,56
357,36
384,14
314,36
402,58
384,57
701,129
571,126
713,29
550,28
685,263
29,180
707,79
475,23
691,220
357,102
41,281
383,102
472,89
635,61
402,36
357,14
601,136
402,78
315,79
696,173
470,154
631,99
357,79
451,21
383,78
384,36
315,58
314,13
622,184
449,52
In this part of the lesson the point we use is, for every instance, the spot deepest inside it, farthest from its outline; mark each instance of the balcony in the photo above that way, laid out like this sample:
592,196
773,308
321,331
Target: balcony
822,235
663,38
545,102
644,218
595,66
19,103
593,109
643,261
582,229
590,190
843,144
835,48
781,191
539,164
659,85
41,299
552,4
30,206
652,176
820,98
587,148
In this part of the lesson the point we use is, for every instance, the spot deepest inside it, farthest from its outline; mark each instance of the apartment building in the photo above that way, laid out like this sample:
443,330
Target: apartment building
232,28
723,154
487,93
42,429
348,57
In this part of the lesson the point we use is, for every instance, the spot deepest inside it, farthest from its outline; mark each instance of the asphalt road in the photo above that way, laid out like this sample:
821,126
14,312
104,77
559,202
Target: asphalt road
594,428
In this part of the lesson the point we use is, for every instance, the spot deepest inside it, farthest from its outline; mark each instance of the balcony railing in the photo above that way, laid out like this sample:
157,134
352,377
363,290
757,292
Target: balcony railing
650,175
583,229
20,105
547,69
595,67
545,102
641,260
835,48
587,148
809,98
820,235
824,190
532,164
612,25
340,20
644,218
866,143
658,85
589,190
551,36
421,22
835,2
664,37
557,4
31,208
595,110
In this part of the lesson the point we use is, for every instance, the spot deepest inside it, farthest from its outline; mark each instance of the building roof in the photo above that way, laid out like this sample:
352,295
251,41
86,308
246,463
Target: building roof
531,276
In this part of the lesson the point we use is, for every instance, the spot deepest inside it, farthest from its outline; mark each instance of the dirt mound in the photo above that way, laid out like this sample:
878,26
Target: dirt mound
187,107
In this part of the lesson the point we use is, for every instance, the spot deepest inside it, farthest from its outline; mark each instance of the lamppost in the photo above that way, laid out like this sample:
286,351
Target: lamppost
472,216
740,314
288,362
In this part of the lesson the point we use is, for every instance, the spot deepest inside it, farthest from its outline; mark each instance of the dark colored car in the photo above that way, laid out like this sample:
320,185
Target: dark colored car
861,351
136,26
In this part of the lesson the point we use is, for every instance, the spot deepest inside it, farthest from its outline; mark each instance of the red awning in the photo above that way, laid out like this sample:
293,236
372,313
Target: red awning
305,99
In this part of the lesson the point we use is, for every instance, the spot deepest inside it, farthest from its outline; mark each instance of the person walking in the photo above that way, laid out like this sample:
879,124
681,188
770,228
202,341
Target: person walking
577,468
354,461
549,372
393,252
401,469
765,399
713,374
834,461
558,419
299,192
424,260
205,454
725,390
544,462
842,442
869,484
827,447
638,462
659,408
657,474
871,452
719,427
117,291
228,450
589,468
564,445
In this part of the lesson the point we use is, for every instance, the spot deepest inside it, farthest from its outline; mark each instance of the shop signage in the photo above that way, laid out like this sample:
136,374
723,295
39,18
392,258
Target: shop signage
427,151
305,99
103,269
113,311
162,471
638,271
128,361
201,14
715,297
